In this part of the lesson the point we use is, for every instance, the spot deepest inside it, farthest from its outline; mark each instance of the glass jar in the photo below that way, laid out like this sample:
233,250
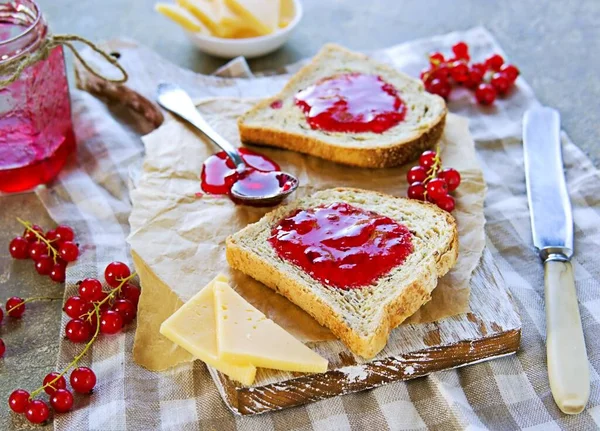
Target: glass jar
36,130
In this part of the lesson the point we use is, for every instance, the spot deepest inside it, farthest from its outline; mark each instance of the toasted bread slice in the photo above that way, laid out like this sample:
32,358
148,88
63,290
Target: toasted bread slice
286,126
363,317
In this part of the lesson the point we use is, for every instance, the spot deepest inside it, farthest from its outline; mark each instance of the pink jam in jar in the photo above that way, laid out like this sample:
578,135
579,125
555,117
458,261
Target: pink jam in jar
36,130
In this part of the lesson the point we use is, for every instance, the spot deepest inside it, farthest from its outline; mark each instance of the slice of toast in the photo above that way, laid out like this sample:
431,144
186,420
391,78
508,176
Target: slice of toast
284,124
362,317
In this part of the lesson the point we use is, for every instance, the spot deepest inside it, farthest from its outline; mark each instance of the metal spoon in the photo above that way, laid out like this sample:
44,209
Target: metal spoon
176,100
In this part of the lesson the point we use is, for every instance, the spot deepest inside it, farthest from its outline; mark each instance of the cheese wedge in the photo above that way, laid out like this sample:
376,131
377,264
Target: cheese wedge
182,17
205,11
245,335
260,15
193,328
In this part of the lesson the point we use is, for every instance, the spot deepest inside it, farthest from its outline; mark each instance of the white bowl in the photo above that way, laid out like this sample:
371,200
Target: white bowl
248,47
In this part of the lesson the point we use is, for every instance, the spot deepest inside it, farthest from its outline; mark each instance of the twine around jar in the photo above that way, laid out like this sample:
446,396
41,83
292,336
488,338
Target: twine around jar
13,69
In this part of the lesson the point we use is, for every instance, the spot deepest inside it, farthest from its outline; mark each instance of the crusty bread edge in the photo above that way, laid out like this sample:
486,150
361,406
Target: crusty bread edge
406,304
395,154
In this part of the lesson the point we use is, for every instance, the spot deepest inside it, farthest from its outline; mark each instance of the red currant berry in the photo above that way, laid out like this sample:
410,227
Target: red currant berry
131,293
494,62
2,348
57,273
439,87
76,306
480,67
83,380
62,401
446,203
459,71
510,71
37,249
69,251
500,82
126,309
15,307
485,94
452,178
115,272
18,400
442,72
1,314
61,383
90,289
30,236
474,78
436,58
111,322
37,412
436,188
461,50
64,233
19,248
417,174
427,159
52,236
78,331
44,264
416,191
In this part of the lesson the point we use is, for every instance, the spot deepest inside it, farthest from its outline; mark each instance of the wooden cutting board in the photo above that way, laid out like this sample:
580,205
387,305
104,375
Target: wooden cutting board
492,329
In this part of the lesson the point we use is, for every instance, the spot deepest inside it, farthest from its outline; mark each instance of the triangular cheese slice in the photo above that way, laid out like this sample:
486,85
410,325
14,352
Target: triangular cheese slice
193,328
261,15
245,335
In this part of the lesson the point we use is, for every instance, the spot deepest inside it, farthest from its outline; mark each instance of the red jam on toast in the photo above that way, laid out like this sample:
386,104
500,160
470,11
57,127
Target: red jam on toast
341,245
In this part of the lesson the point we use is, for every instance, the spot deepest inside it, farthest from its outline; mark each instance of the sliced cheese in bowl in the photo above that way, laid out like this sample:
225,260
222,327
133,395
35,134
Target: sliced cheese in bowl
182,17
245,335
193,327
261,15
205,11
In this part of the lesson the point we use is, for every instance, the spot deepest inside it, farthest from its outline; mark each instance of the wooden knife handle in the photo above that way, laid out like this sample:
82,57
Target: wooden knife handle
568,370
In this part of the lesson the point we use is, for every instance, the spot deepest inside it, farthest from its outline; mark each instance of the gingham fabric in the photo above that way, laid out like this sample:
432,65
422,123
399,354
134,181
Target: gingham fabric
504,394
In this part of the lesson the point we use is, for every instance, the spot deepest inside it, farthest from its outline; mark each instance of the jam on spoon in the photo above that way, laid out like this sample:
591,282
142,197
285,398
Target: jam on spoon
247,177
262,176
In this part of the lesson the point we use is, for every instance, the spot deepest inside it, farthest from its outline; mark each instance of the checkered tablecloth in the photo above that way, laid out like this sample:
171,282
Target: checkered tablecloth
504,394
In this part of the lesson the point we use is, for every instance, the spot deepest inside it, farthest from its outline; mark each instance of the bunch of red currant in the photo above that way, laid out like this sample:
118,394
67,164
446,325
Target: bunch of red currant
489,79
50,251
92,312
117,306
428,181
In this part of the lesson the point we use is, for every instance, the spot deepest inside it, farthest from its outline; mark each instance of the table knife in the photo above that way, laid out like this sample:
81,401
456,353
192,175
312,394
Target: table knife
552,226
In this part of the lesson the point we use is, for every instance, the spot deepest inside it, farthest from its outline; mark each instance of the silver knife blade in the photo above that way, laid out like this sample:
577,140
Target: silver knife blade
549,205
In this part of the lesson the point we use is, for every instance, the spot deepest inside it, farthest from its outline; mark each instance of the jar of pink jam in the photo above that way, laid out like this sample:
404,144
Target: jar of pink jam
36,130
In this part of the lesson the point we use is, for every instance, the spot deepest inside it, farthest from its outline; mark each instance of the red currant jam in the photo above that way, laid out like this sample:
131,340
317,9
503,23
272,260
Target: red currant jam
352,102
341,245
261,177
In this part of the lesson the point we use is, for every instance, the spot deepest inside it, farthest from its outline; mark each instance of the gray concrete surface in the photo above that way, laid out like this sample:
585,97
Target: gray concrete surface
556,44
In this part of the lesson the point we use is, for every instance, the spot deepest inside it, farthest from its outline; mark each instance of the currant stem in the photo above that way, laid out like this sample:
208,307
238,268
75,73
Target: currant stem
113,292
88,315
28,227
437,164
36,298
75,359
